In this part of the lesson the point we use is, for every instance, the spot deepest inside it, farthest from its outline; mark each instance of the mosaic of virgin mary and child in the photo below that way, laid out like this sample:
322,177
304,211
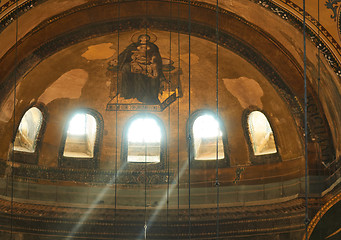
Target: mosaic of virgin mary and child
140,72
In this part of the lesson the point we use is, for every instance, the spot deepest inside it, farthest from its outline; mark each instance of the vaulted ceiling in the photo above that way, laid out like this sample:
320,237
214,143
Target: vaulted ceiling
58,54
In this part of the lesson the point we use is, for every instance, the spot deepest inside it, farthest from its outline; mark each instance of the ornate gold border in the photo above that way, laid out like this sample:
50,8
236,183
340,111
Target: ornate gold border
320,214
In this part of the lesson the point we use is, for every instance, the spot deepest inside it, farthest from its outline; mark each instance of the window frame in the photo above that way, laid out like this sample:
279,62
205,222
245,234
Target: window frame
225,162
163,144
82,162
264,158
30,157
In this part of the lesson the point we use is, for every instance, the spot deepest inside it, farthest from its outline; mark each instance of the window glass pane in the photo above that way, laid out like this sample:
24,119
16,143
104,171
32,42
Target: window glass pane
261,134
144,139
81,136
28,130
77,125
206,132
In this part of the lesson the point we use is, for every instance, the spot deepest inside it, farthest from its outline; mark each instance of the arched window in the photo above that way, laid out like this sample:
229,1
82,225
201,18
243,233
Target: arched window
80,136
81,140
28,130
261,135
144,140
207,134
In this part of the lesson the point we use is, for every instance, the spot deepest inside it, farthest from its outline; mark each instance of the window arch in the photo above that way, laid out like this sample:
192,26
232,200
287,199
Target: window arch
144,140
206,131
261,134
80,142
28,131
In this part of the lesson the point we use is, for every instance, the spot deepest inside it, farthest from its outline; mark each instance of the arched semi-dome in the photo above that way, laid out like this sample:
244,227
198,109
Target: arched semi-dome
129,120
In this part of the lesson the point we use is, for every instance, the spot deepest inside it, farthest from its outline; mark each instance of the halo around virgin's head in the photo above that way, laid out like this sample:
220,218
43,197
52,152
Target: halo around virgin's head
135,37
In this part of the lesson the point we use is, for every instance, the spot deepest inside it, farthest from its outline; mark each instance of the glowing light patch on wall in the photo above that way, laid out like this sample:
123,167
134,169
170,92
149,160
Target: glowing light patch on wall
247,91
207,133
69,86
7,106
261,134
144,139
99,51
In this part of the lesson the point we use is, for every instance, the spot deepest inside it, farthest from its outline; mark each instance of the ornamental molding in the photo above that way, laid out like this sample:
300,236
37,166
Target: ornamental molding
321,213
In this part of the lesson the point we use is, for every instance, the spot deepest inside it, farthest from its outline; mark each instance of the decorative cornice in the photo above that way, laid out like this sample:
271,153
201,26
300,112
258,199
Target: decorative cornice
93,176
106,222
